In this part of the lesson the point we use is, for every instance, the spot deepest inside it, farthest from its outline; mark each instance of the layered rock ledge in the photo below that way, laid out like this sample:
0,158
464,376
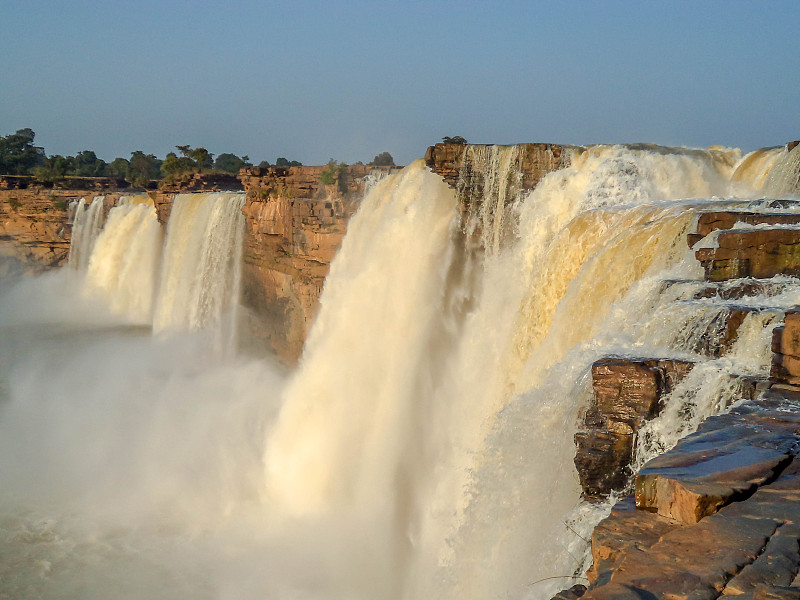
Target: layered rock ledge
717,516
771,246
35,225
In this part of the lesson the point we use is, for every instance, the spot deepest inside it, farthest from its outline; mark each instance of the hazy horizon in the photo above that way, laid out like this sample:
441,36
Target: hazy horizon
312,81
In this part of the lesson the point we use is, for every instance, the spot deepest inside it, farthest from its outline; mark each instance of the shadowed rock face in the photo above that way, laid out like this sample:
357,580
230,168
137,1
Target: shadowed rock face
785,366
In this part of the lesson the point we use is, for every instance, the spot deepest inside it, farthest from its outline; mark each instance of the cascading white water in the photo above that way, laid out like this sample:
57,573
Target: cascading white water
86,227
423,448
126,257
202,261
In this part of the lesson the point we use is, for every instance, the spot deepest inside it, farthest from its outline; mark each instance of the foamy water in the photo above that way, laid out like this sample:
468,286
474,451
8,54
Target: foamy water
422,448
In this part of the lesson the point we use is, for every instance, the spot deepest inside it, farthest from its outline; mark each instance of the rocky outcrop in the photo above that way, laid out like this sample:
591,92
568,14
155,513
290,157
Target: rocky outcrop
75,184
455,164
726,219
202,182
627,394
786,350
717,516
294,227
759,252
35,229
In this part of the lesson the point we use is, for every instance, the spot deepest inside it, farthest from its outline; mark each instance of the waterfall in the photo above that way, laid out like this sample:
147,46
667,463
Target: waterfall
423,447
125,259
199,281
86,226
450,423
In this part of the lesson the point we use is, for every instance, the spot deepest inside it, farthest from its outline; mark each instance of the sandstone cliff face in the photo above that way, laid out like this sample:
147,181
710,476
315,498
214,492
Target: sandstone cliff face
294,227
454,162
627,394
35,230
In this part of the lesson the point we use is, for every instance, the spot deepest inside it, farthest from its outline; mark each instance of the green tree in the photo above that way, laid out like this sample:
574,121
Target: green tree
453,140
54,167
202,158
229,163
117,168
18,155
283,162
384,159
142,168
175,166
328,174
86,164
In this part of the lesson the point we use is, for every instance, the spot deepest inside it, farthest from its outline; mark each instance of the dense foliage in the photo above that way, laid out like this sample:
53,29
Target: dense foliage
19,156
384,159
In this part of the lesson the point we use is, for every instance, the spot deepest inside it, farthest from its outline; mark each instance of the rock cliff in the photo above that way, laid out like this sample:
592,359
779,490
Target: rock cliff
35,226
456,165
294,226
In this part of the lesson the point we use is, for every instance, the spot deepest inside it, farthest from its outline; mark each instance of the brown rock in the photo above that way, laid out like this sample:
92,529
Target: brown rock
760,253
294,227
627,393
726,219
453,163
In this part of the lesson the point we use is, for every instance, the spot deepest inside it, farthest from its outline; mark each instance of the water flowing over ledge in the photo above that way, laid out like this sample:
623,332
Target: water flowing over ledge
424,445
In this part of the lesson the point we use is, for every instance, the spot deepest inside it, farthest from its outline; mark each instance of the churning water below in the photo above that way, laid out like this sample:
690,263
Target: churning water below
422,448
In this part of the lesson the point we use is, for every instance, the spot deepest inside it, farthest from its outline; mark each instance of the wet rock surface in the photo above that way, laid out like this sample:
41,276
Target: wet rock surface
785,366
760,252
454,163
627,394
716,517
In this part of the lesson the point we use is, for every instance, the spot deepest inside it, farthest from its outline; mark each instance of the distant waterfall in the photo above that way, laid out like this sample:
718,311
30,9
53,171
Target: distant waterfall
199,280
86,227
126,257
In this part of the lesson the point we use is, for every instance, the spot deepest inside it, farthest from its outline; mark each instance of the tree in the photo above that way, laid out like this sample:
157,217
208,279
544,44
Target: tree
229,163
142,168
54,167
202,158
384,159
117,168
282,162
174,166
18,155
86,164
328,174
453,140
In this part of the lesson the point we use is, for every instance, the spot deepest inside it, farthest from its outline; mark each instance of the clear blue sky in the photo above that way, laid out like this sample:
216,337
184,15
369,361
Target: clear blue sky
312,80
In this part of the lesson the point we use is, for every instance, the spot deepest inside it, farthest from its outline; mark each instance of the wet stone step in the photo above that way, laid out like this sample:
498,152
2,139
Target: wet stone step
726,219
749,548
727,458
759,253
627,394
